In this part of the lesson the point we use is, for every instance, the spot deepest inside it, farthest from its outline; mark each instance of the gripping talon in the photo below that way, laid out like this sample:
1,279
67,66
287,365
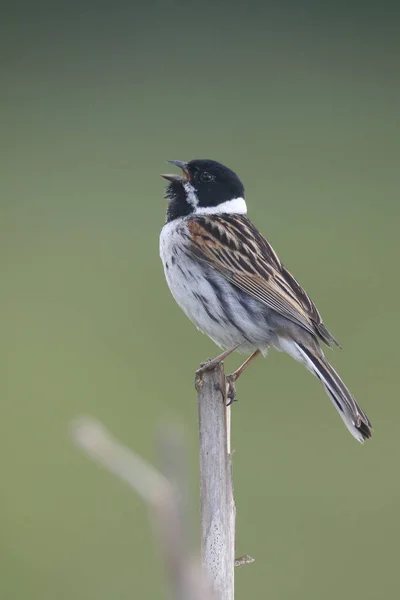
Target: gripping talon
213,362
231,391
204,366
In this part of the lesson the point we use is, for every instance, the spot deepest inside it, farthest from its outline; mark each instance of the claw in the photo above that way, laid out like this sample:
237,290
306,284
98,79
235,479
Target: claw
207,365
231,392
213,362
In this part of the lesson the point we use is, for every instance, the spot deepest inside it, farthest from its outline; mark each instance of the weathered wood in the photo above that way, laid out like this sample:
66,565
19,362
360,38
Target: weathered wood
218,513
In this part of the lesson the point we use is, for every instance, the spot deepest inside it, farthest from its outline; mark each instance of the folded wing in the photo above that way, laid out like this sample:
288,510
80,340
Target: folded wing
233,246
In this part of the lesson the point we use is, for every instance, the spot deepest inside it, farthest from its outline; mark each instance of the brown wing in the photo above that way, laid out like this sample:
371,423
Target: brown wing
233,246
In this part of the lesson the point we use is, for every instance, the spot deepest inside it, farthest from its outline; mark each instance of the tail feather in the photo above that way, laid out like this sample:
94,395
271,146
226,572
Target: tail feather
352,414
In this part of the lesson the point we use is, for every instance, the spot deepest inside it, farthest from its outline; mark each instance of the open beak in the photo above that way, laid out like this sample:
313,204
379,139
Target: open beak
172,176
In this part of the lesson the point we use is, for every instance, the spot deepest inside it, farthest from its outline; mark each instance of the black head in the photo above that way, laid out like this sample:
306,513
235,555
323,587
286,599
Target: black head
204,184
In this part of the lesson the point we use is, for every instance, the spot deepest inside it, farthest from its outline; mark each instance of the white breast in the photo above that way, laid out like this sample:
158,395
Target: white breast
184,276
207,298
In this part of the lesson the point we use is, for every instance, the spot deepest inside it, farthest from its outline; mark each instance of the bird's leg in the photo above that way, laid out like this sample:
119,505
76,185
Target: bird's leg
230,379
213,362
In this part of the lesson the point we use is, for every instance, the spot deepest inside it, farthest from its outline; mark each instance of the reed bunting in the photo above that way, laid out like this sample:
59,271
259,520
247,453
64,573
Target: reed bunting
231,284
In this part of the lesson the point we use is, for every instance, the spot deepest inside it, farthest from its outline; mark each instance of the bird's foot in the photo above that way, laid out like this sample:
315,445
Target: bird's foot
231,389
211,363
229,392
208,365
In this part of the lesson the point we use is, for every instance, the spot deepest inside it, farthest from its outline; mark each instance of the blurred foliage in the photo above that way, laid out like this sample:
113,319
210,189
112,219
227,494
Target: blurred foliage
303,103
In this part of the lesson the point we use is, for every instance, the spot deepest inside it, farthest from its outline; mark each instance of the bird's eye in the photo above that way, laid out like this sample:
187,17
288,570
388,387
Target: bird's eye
206,177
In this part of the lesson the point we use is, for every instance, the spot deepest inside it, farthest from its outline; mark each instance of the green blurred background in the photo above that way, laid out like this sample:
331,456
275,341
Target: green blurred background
302,100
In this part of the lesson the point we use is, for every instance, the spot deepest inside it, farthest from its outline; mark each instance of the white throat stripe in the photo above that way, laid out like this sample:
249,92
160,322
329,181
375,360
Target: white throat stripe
236,206
191,194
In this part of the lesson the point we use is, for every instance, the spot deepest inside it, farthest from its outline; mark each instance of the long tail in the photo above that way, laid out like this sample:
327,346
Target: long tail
352,414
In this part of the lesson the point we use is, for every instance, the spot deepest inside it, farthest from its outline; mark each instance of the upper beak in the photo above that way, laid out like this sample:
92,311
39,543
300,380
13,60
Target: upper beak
174,177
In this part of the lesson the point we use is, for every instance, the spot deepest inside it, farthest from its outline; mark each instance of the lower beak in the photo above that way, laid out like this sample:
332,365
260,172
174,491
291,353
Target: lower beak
172,176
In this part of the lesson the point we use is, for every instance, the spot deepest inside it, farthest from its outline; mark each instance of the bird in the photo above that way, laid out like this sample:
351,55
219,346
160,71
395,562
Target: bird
231,284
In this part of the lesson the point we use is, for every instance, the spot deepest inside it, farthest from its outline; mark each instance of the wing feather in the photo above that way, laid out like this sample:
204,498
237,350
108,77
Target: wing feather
235,248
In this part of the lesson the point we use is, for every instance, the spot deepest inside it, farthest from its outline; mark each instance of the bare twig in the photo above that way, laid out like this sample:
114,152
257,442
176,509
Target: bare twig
162,494
243,560
216,489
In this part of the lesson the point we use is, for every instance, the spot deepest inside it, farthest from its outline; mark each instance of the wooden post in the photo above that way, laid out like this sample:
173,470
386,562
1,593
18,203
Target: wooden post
216,489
